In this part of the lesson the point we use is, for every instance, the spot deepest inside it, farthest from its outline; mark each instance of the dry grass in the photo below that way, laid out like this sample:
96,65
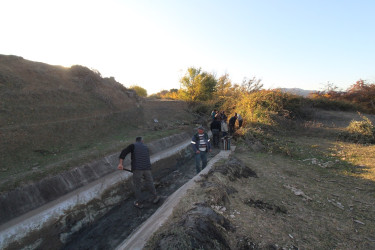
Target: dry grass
312,192
361,157
54,118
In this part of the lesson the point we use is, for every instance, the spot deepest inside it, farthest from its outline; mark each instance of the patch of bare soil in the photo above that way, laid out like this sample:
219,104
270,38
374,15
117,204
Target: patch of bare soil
262,200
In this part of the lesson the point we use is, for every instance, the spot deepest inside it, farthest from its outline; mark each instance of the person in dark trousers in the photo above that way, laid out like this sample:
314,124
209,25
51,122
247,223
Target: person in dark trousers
215,129
201,145
141,168
232,122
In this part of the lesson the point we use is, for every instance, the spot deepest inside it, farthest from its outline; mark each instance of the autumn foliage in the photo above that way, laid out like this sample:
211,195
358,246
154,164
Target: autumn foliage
361,94
264,106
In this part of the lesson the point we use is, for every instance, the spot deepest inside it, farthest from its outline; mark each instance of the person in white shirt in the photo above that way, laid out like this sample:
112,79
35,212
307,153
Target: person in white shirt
240,120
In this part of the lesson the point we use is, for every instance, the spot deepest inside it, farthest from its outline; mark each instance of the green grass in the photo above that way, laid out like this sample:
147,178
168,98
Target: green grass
37,165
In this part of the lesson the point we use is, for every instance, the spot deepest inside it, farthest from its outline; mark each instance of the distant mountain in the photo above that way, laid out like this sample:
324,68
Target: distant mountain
297,91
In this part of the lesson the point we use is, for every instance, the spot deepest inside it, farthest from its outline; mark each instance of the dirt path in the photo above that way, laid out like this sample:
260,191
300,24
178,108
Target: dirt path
122,220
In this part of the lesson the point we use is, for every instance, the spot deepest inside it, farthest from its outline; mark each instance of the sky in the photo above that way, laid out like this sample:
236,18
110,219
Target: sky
286,43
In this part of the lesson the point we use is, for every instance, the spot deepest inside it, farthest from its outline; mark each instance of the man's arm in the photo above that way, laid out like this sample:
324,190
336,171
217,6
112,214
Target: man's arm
123,154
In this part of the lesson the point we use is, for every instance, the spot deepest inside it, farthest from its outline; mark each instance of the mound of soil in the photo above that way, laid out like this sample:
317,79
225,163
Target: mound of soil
204,227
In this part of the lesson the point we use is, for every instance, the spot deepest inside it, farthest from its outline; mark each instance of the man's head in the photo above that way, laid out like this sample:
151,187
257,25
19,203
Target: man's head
139,139
200,130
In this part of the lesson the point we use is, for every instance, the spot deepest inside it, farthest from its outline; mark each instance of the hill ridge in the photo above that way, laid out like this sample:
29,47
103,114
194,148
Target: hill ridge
52,114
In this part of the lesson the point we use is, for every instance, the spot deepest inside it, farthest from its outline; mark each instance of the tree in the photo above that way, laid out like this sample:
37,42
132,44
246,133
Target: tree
198,85
362,93
251,85
223,86
139,90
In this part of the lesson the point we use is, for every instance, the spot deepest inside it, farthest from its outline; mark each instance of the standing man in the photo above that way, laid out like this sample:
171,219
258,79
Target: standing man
232,122
201,145
141,168
240,120
215,129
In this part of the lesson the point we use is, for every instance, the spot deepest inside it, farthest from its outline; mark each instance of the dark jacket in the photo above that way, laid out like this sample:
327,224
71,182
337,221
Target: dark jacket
232,121
195,142
216,125
140,156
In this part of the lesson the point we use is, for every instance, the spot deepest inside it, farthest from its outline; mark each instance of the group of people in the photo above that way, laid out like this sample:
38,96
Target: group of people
200,142
219,125
141,164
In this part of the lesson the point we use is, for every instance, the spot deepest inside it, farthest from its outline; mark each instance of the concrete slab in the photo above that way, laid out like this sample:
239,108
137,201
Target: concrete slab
139,237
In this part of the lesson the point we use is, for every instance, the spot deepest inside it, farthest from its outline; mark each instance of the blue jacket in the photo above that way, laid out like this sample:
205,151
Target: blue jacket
195,142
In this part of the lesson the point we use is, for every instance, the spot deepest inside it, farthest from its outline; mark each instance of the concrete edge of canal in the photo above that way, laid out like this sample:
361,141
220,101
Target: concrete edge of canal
143,233
95,195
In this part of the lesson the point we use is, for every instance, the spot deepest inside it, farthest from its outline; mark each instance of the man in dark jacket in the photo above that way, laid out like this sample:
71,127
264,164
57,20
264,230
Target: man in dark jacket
201,145
232,122
215,129
141,168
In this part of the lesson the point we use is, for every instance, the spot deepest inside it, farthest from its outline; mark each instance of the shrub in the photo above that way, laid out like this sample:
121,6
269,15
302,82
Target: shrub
261,106
139,90
359,96
333,104
360,131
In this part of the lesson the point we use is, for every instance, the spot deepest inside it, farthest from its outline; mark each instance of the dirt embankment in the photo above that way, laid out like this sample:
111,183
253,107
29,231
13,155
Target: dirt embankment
299,198
285,206
54,118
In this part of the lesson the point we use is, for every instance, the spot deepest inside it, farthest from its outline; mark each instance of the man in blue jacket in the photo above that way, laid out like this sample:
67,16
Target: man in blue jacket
141,168
201,145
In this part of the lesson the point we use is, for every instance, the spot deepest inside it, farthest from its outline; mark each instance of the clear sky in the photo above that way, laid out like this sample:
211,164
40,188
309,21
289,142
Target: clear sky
286,43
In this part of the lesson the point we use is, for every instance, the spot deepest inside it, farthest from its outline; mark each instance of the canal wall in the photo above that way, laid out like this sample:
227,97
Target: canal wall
50,211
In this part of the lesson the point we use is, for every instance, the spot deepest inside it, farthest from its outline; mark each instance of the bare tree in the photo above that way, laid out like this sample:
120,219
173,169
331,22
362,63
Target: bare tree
251,85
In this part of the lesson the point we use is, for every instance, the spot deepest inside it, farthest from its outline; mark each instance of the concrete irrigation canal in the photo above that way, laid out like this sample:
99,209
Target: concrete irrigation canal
91,207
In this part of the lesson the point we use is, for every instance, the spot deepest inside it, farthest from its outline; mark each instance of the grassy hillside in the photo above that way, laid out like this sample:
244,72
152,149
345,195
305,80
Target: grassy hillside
53,118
